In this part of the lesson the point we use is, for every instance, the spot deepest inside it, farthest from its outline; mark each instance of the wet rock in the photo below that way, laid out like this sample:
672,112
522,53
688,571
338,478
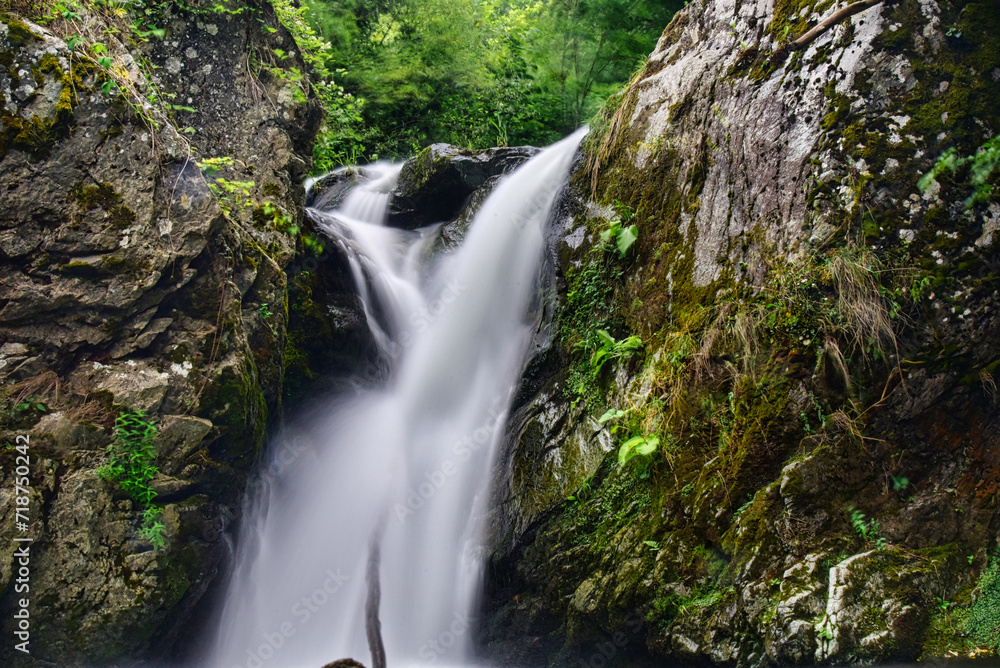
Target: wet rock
329,191
344,663
819,518
127,286
435,185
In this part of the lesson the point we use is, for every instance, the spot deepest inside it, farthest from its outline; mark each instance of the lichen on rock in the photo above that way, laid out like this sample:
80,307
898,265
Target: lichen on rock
810,500
127,285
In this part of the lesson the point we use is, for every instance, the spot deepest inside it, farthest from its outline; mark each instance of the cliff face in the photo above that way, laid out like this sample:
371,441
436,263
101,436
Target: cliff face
135,279
818,369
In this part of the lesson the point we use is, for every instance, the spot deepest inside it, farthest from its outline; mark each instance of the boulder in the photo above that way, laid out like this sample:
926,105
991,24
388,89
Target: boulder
435,185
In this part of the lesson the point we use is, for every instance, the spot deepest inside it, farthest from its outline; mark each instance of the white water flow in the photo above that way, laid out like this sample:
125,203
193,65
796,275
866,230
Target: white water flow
411,460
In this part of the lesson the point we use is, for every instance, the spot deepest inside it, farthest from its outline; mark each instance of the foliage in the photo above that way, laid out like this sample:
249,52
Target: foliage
611,349
981,168
867,529
624,235
589,308
983,619
340,134
152,528
478,73
637,445
130,463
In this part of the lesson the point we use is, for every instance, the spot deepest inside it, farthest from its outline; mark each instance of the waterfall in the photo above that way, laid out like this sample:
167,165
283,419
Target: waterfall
408,462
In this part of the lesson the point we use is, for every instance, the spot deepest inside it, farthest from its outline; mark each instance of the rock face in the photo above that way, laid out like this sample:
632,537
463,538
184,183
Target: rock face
128,283
434,186
819,358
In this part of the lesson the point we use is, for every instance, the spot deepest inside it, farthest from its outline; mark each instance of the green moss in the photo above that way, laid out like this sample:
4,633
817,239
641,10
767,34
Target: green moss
235,403
80,270
18,32
790,21
841,108
589,307
102,196
36,135
983,620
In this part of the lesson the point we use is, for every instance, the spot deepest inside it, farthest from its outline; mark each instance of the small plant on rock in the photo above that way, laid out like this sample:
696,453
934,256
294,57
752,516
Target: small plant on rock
130,464
611,349
637,445
867,529
623,234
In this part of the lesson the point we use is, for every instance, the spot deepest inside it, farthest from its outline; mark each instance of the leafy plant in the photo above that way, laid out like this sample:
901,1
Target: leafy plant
30,405
212,165
611,349
130,463
611,414
623,236
153,529
981,167
637,445
867,529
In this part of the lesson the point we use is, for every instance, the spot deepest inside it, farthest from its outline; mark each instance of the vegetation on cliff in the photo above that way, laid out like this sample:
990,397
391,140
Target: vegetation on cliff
766,430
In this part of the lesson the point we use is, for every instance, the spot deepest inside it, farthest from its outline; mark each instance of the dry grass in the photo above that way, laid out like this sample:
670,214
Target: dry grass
833,353
860,303
989,384
619,121
42,388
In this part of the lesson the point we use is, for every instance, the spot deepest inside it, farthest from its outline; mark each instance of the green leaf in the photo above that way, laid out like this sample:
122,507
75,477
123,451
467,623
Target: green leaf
606,339
631,343
634,441
626,238
649,445
597,360
612,414
624,454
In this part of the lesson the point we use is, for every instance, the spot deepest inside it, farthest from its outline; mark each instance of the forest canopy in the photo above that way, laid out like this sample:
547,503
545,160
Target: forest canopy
474,73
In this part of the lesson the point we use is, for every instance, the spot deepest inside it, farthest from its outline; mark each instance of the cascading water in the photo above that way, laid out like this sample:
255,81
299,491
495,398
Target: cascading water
408,464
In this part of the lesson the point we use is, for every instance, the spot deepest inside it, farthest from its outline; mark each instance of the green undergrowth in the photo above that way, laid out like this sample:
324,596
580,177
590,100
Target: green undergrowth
967,623
130,461
982,621
590,310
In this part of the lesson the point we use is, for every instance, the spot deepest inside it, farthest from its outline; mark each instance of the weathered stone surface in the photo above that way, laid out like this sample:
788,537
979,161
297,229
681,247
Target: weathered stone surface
434,186
126,285
329,191
750,540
